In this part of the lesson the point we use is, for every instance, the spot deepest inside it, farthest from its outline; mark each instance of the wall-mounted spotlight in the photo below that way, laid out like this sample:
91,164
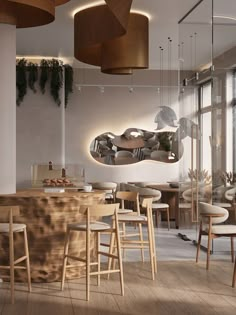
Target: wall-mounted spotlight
102,89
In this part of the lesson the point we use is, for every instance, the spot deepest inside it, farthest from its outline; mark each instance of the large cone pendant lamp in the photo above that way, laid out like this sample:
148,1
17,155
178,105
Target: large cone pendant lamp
111,37
28,13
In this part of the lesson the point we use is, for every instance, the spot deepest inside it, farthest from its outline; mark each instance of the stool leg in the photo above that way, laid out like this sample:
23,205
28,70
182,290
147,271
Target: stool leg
154,245
111,251
27,259
232,249
168,218
87,264
99,259
199,242
141,239
156,217
151,249
119,258
12,270
66,248
234,275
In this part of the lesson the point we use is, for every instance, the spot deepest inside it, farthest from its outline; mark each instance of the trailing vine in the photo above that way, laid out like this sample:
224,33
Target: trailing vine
49,70
21,80
68,82
56,80
44,74
33,75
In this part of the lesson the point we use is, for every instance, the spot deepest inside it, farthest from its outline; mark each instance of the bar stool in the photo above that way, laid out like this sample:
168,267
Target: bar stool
6,214
139,244
96,227
131,197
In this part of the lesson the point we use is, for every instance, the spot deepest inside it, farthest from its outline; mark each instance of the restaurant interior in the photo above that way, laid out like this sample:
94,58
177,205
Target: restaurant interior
118,155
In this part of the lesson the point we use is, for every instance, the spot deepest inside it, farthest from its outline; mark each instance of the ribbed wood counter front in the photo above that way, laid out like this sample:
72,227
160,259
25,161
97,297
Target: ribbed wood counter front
46,216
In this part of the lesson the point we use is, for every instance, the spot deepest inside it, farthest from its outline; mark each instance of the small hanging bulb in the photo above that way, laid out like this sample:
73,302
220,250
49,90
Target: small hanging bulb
131,89
78,87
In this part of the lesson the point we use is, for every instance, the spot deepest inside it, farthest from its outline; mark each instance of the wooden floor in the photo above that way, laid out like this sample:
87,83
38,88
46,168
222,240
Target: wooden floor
180,288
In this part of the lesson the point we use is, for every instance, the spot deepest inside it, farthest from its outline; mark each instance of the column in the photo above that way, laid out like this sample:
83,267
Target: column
7,109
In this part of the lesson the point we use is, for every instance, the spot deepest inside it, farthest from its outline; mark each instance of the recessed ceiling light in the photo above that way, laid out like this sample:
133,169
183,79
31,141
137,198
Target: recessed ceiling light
86,6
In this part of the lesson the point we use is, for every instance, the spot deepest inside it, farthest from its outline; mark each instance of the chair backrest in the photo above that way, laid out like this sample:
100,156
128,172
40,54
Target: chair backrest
206,208
149,192
6,212
230,194
128,196
124,153
108,186
102,210
202,192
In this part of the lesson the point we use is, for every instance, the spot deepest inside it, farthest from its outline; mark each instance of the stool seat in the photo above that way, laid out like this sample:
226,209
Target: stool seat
185,205
125,211
94,226
159,205
131,218
222,204
221,229
4,227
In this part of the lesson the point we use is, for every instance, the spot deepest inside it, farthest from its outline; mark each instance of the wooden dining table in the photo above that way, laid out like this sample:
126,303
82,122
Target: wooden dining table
129,144
170,195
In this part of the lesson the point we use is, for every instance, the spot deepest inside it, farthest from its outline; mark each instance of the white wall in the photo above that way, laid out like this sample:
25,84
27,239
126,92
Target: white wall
90,113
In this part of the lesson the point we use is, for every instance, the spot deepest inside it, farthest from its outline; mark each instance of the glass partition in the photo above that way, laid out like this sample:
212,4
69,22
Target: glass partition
195,64
223,105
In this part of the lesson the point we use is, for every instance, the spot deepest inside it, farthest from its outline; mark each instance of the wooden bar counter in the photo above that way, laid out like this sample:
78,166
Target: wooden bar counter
46,216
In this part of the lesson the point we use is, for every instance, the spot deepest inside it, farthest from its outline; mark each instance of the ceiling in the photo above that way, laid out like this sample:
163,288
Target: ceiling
56,39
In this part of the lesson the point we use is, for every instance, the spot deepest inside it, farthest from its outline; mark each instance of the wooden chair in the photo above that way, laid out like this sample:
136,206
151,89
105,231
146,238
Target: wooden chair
157,206
6,214
211,216
147,220
96,227
109,189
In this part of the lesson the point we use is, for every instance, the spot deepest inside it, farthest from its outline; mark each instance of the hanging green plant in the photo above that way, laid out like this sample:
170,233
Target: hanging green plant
44,74
21,80
56,80
68,82
33,75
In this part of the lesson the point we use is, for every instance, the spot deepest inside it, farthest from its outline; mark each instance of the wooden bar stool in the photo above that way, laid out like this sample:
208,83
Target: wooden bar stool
133,208
96,227
6,214
137,243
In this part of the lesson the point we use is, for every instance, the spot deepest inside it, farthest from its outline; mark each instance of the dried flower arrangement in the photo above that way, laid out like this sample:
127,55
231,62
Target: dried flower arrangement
228,177
201,176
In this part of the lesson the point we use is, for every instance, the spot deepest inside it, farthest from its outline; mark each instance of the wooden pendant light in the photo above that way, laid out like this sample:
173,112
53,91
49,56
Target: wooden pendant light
28,13
111,37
